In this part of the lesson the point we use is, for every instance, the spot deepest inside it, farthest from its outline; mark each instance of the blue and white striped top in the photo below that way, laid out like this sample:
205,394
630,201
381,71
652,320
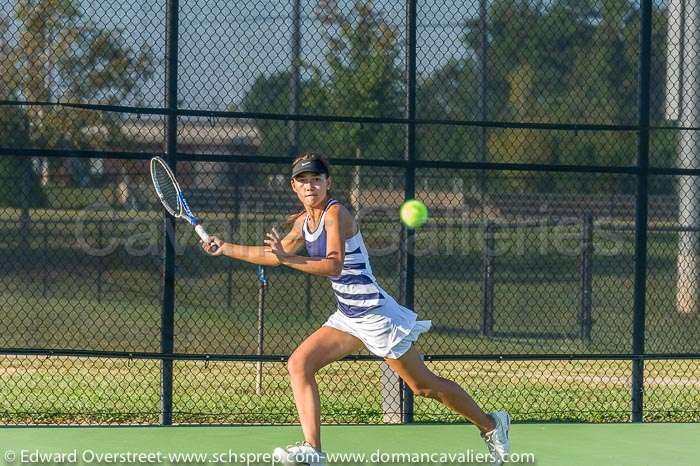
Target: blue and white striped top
356,290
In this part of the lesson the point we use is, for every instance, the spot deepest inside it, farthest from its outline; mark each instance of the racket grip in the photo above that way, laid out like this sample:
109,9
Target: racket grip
201,232
199,229
205,237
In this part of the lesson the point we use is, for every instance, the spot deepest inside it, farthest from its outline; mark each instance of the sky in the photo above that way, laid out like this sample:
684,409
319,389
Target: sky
224,45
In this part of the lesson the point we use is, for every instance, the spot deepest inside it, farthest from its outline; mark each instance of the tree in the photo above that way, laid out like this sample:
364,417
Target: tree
18,187
526,56
64,56
12,120
532,146
363,80
449,93
270,94
567,61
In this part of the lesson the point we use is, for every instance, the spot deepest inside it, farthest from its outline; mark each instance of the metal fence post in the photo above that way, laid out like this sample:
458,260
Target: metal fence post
25,205
44,270
168,279
488,267
585,313
410,182
294,79
641,214
483,85
229,268
307,296
262,277
100,260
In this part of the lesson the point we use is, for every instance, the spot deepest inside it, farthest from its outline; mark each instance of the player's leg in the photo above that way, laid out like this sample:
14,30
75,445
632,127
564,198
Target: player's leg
321,348
411,368
494,427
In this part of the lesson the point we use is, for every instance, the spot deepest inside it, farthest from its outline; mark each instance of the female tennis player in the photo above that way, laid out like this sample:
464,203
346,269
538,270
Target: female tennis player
366,315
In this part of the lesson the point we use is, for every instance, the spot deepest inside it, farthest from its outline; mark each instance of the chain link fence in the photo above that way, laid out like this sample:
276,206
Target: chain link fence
554,143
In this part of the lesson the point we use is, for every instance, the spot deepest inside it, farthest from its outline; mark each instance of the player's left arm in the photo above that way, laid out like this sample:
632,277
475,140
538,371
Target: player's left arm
329,266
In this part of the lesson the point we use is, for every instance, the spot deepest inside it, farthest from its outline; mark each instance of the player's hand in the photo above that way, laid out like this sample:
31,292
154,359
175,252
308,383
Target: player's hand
274,244
213,251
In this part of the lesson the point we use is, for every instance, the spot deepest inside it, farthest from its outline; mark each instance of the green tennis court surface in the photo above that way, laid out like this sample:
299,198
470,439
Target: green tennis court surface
551,444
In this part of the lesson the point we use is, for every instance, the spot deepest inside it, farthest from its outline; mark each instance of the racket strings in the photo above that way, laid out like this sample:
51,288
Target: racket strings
166,187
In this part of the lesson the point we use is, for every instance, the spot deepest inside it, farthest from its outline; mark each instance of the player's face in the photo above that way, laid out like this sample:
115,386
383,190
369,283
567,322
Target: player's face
311,188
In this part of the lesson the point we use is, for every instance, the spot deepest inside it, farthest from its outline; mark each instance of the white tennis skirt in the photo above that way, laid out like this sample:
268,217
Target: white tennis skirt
387,331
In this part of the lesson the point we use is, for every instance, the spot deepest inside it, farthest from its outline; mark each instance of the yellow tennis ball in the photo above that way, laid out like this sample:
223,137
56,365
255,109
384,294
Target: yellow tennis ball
413,213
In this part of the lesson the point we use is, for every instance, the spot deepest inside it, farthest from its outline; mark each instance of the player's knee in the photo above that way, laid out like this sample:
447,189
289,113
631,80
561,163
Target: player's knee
299,366
295,364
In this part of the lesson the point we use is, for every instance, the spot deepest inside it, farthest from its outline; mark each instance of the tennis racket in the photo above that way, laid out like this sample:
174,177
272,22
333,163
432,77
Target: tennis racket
172,198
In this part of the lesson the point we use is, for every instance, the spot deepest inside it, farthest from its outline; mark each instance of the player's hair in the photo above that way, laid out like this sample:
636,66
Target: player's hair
308,155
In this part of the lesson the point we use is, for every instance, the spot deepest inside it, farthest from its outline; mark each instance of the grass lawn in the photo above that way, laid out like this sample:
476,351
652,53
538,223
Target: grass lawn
56,295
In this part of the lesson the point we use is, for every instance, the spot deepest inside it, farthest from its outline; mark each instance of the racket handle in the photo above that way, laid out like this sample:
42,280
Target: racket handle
201,232
204,236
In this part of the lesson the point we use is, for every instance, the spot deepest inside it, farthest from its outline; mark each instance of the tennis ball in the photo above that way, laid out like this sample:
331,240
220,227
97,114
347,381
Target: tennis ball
413,213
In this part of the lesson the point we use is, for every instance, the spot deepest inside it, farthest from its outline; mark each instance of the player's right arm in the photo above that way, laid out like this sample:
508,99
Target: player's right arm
260,255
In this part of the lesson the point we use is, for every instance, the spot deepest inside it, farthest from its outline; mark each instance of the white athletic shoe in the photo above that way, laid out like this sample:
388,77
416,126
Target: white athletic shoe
299,454
497,439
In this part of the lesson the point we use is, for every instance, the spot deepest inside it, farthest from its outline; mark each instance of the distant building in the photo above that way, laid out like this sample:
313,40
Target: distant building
194,136
146,135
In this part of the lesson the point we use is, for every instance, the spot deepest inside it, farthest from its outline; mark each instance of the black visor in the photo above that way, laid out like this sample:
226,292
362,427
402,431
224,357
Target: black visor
311,165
